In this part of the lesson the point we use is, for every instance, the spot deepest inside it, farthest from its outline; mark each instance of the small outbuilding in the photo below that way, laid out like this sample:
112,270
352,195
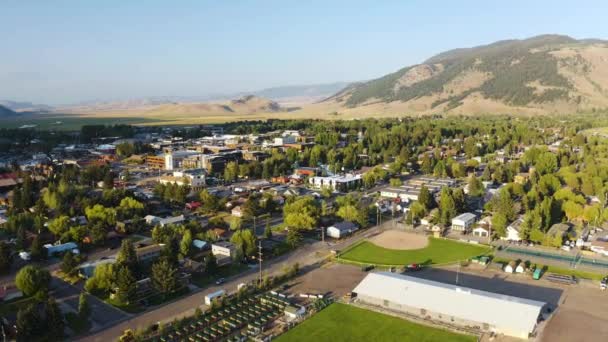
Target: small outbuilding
341,229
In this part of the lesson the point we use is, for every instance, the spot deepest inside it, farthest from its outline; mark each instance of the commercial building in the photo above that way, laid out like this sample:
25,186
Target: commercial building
339,183
194,178
451,304
411,189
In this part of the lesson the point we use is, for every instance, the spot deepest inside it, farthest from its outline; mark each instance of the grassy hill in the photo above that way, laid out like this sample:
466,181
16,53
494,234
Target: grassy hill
545,73
6,113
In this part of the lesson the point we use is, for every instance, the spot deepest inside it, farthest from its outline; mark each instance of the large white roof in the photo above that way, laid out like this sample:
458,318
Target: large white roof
505,312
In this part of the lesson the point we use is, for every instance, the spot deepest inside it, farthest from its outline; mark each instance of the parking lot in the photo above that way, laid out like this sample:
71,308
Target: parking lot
333,279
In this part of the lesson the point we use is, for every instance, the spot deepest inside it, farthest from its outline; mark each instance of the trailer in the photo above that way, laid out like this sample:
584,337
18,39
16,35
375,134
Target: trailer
209,298
563,279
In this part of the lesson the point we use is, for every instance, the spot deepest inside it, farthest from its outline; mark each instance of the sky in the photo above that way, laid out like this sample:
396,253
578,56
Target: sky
60,52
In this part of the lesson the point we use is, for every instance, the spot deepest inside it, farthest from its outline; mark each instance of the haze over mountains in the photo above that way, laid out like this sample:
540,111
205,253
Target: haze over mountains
539,75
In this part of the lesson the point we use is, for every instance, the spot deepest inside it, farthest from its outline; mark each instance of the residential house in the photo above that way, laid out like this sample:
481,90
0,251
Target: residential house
463,222
223,248
513,230
148,253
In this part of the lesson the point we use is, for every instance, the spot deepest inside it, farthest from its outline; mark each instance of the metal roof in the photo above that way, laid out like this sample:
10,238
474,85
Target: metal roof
507,313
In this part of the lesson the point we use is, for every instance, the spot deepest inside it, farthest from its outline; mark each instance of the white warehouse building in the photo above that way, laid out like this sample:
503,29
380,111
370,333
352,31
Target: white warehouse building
455,305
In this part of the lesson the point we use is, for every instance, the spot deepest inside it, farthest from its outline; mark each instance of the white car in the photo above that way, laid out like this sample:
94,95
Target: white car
25,256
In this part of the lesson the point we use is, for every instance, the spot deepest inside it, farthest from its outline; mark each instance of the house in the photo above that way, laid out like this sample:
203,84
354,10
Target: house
155,220
337,183
437,230
237,211
463,222
513,230
200,245
87,270
224,248
481,231
147,253
341,229
559,231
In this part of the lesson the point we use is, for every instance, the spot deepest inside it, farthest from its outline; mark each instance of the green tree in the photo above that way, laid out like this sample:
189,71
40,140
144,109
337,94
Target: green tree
126,255
126,286
102,279
475,186
29,324
6,257
59,225
33,281
164,277
268,230
447,206
425,198
37,250
186,243
303,213
69,264
210,264
53,321
84,309
294,237
231,172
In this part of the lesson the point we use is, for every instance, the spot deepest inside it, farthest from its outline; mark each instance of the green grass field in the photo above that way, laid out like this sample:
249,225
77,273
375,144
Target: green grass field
341,322
438,251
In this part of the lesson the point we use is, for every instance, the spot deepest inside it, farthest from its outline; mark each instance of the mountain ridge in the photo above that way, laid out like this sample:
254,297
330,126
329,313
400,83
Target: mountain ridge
546,73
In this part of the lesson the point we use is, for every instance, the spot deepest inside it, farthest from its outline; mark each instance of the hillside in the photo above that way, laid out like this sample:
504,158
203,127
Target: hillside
6,113
542,74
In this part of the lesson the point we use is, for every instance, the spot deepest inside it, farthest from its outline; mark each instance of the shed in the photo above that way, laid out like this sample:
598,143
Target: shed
341,229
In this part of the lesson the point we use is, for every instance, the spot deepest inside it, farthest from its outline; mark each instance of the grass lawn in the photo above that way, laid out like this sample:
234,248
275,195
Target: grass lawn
202,280
438,251
341,322
560,270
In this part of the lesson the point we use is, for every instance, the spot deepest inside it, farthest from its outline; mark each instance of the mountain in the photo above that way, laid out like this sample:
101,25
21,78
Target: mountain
303,92
548,73
245,105
6,112
24,106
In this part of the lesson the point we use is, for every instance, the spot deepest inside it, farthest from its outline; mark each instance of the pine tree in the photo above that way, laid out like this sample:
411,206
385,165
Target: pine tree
53,320
125,285
84,309
126,255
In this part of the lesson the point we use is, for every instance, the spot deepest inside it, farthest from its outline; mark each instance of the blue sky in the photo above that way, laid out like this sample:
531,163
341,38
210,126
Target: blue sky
68,51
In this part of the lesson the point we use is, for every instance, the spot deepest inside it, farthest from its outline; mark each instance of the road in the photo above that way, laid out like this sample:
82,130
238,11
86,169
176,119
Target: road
307,256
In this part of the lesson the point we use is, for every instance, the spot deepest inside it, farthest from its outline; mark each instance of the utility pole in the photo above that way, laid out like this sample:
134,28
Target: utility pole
457,272
322,234
260,260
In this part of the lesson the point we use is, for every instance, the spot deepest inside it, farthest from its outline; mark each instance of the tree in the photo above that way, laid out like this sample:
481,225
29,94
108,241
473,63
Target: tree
210,264
164,277
186,243
84,309
99,213
268,230
447,206
499,224
303,213
236,223
231,171
126,255
37,250
59,225
53,321
129,207
125,285
102,279
425,198
6,257
33,280
294,237
29,323
475,186
209,202
68,264
245,241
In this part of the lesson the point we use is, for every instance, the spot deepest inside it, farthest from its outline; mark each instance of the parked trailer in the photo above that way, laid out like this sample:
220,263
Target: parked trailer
214,296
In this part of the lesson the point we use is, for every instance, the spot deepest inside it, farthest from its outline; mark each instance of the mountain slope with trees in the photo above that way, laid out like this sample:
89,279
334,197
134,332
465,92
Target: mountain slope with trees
545,73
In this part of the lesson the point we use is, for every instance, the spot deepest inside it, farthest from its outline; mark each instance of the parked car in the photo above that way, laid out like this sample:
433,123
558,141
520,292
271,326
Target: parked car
604,283
413,267
220,281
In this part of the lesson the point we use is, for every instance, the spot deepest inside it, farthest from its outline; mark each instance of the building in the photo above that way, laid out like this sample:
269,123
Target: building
451,304
237,211
339,183
559,231
194,178
411,189
155,220
341,229
61,248
224,248
463,222
87,270
147,253
513,230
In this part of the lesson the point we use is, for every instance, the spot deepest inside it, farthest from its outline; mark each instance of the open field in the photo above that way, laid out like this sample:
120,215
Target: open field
68,122
341,322
439,251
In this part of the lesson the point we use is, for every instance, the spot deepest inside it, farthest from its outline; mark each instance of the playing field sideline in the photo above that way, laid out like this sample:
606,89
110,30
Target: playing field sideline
341,322
438,251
